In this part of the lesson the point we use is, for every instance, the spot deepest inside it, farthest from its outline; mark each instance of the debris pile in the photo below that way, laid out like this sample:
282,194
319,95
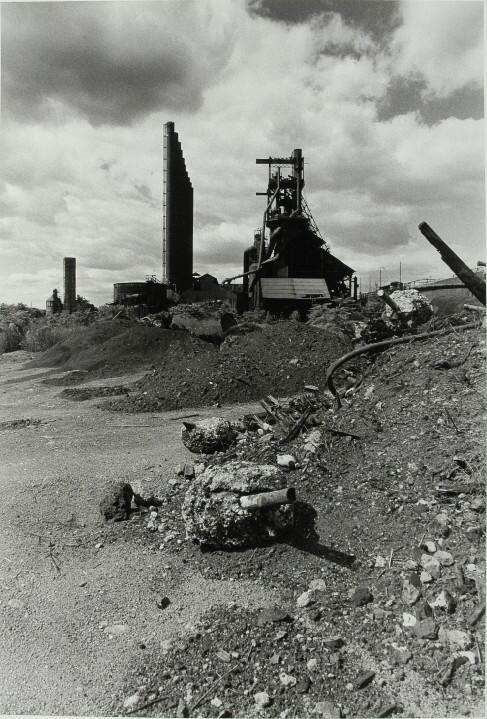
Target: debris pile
208,436
206,320
238,504
412,307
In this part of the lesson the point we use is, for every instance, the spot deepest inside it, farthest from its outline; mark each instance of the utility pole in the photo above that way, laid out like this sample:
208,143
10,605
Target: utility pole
400,272
380,277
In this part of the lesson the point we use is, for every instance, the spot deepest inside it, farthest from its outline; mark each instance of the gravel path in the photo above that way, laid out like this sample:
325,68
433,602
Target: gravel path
78,617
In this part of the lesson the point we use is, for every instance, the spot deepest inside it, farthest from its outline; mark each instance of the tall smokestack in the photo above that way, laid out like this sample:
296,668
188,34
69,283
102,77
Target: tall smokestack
70,284
177,214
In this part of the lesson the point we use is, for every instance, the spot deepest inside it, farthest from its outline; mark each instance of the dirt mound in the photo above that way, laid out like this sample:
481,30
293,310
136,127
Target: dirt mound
116,347
280,358
395,483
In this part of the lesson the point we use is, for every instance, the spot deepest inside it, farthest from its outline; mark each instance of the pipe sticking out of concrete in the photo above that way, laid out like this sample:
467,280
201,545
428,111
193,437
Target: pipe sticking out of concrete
268,499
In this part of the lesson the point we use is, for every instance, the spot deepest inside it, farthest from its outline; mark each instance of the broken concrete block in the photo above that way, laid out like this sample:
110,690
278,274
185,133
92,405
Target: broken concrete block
286,461
213,512
115,505
210,435
415,308
148,490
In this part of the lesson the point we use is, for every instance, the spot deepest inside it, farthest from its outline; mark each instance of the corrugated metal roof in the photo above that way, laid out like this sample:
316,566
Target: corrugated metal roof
293,287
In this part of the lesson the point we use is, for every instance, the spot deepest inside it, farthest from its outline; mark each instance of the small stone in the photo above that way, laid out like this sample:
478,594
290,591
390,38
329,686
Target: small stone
318,585
477,504
444,601
305,599
312,664
425,577
426,629
361,596
224,656
286,461
380,562
216,702
182,710
410,594
99,545
430,546
363,679
188,471
333,642
162,602
411,565
455,639
444,558
431,564
272,614
131,701
408,620
115,630
15,604
470,656
166,645
287,680
326,709
262,699
274,659
303,685
401,655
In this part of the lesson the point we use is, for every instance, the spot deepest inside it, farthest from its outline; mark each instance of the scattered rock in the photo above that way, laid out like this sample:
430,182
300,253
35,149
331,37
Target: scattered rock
273,614
312,664
431,564
363,679
132,701
162,602
410,594
444,558
454,638
401,655
426,629
429,546
361,596
262,700
148,490
208,436
305,599
303,685
287,680
317,585
212,512
326,709
333,642
286,461
115,505
115,630
444,601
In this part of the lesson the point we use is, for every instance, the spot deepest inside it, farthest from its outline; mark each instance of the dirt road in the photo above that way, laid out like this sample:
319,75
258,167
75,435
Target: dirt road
77,596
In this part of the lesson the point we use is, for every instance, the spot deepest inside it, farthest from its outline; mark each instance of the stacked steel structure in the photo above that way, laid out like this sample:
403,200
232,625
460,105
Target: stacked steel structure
69,284
177,209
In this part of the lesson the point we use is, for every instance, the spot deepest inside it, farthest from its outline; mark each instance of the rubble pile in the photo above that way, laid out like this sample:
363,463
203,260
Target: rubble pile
206,320
217,512
414,307
209,435
280,357
381,603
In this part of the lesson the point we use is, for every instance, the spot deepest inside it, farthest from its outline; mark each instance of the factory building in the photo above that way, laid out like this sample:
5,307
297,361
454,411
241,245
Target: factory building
177,215
149,293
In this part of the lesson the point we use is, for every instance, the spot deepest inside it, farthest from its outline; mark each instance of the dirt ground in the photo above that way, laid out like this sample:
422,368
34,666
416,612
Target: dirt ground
65,576
118,620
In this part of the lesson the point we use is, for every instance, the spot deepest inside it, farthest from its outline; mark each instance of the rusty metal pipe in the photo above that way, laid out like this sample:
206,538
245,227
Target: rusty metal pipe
389,301
268,499
386,343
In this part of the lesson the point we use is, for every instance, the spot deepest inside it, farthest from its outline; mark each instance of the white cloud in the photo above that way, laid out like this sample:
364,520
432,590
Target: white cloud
441,41
93,191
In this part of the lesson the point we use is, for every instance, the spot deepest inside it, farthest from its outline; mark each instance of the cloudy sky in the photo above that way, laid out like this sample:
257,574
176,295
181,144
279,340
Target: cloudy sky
385,99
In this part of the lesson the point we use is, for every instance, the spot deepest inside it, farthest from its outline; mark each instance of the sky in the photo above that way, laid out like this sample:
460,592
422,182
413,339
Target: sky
385,99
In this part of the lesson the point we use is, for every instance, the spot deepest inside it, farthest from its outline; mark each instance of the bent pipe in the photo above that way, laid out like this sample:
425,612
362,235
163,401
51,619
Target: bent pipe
386,343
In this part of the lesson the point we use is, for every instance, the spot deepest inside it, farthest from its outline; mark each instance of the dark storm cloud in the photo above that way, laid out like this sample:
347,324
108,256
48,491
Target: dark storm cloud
110,63
376,17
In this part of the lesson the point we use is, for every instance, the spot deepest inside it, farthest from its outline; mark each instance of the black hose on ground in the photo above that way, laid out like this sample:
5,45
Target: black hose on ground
386,343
